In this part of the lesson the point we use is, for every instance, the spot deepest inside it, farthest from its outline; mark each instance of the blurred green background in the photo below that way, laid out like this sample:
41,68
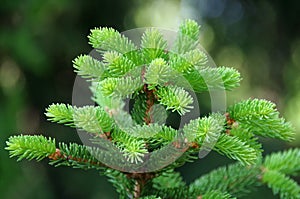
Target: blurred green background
39,39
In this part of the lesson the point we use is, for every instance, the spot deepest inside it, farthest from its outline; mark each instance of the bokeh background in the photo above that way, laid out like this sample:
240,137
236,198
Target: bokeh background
39,40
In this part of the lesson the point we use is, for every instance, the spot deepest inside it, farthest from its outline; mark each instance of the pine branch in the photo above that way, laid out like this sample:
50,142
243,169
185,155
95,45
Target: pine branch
235,179
101,99
108,39
213,78
247,137
153,45
239,180
175,99
158,73
173,193
182,64
198,129
77,156
40,147
190,28
88,67
197,58
189,61
281,184
139,110
236,149
60,113
30,147
133,149
168,180
287,162
89,118
261,118
124,185
118,64
150,197
145,131
92,119
156,80
169,156
163,137
191,155
216,195
230,77
119,87
200,76
207,133
187,37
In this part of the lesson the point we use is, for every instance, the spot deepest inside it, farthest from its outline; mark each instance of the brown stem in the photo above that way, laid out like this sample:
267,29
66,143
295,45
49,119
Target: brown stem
150,102
58,155
229,120
137,190
140,181
231,123
105,135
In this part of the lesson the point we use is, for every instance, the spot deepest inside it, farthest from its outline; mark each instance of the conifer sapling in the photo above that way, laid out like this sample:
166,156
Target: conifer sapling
136,88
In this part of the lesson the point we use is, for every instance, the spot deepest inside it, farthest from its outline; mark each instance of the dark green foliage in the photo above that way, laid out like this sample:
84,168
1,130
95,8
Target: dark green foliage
287,162
121,182
281,184
139,108
234,179
168,180
164,137
150,197
136,151
173,193
217,195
